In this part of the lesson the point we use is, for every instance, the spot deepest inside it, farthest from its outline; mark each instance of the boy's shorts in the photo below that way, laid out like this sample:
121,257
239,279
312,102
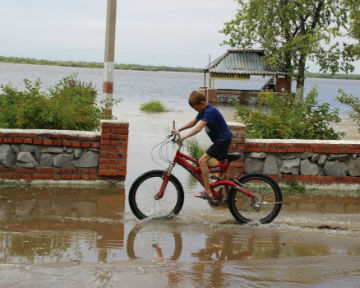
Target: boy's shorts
219,150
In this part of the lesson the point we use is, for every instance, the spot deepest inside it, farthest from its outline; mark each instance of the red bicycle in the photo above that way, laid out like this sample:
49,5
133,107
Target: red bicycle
158,193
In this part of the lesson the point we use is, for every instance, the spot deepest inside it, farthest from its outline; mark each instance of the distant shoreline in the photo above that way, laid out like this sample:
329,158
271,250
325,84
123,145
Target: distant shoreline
84,64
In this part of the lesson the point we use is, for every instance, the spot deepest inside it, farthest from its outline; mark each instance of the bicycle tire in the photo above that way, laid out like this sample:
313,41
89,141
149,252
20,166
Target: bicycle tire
267,192
155,175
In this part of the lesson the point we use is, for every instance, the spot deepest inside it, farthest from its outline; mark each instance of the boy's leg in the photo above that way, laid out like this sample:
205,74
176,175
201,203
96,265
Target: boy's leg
205,173
216,150
220,174
226,187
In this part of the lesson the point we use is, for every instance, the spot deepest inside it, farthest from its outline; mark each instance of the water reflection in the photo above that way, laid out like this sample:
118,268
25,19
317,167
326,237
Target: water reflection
89,225
162,241
226,256
154,241
39,225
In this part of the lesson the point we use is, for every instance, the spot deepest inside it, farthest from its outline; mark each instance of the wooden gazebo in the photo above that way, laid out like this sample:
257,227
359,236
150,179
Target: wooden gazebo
241,64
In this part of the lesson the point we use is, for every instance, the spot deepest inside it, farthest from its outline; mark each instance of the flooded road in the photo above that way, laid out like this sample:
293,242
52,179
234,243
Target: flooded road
67,237
89,238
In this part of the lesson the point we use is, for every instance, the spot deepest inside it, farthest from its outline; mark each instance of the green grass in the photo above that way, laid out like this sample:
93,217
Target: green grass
194,148
153,107
330,76
294,188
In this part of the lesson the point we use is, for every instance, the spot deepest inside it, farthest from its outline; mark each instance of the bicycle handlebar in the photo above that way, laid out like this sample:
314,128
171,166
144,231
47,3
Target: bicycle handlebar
174,134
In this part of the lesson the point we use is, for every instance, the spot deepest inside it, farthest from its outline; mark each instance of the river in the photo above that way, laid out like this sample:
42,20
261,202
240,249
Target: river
66,237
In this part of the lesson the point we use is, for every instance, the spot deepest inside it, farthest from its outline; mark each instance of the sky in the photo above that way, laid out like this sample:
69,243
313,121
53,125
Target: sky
148,32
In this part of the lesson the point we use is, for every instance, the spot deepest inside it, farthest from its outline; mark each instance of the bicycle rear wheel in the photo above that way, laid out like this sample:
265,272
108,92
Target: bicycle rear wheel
266,205
142,196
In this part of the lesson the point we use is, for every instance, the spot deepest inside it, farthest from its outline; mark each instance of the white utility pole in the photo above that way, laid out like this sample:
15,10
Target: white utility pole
108,85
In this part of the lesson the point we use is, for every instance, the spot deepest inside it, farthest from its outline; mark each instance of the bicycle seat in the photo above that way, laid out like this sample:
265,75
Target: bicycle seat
233,156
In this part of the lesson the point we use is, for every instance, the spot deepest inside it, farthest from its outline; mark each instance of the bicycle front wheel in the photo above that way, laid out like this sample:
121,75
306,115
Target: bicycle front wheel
264,207
143,202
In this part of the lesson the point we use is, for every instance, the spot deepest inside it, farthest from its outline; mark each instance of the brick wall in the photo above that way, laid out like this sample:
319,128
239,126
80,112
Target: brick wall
65,155
306,161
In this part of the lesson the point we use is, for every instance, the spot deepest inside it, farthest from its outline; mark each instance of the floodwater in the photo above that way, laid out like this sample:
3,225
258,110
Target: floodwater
71,237
89,238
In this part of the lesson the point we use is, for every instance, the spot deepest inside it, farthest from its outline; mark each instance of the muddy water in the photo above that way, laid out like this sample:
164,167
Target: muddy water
90,238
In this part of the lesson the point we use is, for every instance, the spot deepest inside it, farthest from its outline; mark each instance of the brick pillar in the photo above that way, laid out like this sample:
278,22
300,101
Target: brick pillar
283,83
212,96
113,149
238,131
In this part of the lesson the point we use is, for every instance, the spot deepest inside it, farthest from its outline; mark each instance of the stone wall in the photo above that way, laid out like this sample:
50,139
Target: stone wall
307,161
65,155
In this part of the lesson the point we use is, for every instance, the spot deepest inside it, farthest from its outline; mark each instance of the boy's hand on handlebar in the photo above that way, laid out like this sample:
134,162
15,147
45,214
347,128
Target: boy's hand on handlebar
177,137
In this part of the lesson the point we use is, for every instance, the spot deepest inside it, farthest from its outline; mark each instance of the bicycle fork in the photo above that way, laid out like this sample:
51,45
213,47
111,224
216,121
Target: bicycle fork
165,178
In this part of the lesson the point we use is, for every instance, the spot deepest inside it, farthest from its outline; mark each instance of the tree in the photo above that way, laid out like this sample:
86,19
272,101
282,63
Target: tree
348,99
354,103
291,32
354,7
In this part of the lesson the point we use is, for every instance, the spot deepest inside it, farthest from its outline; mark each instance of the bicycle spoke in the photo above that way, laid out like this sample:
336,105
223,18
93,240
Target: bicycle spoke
264,206
143,201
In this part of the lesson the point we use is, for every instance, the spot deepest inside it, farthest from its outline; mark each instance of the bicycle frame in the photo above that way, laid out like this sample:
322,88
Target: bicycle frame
183,160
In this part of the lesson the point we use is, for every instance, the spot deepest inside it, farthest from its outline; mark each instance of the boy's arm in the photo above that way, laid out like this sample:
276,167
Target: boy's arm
196,130
192,123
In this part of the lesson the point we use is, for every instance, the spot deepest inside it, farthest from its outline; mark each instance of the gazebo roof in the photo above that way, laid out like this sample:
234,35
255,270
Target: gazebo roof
243,62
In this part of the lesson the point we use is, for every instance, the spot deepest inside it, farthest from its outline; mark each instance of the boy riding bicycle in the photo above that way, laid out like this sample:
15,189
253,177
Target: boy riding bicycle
209,117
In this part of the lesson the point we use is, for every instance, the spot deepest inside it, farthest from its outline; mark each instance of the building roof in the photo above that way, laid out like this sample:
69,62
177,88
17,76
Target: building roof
243,62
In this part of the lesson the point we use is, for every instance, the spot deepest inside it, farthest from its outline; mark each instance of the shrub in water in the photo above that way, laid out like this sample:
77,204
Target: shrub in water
153,107
70,105
75,104
194,148
289,118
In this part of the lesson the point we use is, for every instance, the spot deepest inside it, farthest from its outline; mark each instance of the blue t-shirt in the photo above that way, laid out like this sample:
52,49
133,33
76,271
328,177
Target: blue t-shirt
216,126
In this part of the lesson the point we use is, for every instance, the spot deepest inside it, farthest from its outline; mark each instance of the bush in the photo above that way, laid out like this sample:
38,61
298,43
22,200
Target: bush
70,105
194,148
354,103
153,107
75,105
289,118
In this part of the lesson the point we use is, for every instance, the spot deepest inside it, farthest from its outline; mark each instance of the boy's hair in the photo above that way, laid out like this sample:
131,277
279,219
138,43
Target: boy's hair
196,97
